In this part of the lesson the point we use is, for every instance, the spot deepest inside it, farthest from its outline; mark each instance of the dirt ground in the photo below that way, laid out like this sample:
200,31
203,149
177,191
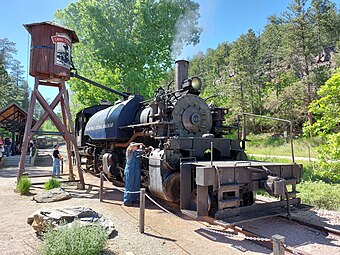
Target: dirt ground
164,233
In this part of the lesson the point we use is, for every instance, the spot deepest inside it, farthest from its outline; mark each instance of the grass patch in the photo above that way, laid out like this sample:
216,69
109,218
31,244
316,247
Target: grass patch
52,183
267,144
24,185
75,240
320,194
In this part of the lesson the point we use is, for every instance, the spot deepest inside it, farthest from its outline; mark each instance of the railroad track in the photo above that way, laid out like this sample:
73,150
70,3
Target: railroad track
243,231
265,241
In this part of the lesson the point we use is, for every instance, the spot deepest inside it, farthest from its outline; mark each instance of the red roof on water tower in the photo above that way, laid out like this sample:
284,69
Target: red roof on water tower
72,34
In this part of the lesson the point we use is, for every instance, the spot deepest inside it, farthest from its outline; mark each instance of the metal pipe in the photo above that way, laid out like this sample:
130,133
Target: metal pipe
124,95
212,153
244,128
283,120
181,69
133,137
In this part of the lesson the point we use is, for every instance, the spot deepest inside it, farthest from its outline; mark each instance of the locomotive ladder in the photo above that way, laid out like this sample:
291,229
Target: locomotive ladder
64,126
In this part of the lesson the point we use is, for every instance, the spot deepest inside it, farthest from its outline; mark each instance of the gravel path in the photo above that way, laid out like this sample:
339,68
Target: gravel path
164,233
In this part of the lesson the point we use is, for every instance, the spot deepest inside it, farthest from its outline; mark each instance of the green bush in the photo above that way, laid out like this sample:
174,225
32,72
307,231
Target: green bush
51,184
320,194
24,185
267,144
75,240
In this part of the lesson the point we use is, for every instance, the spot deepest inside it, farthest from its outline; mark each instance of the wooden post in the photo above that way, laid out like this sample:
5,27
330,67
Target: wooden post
68,127
27,134
141,210
278,248
13,142
101,187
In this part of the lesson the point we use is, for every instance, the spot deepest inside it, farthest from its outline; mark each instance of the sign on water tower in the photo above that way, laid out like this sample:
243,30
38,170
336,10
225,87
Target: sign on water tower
62,50
50,53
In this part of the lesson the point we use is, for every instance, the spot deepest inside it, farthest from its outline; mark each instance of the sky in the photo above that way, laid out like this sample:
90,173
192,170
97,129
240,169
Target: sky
221,20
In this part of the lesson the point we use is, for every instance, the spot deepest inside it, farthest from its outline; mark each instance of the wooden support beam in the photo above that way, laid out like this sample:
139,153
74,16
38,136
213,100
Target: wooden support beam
27,134
54,118
68,144
52,106
74,140
64,127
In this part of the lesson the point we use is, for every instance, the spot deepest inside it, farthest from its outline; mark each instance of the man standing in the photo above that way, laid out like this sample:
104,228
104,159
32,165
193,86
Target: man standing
132,174
56,161
7,146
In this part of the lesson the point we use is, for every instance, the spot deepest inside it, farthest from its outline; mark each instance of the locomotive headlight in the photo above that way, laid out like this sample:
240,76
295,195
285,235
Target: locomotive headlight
196,83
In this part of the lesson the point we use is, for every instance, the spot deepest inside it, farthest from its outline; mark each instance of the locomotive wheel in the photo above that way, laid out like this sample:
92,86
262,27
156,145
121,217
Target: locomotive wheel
248,198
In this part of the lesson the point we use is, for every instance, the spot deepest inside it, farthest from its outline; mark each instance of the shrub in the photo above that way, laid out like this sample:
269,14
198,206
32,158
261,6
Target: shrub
51,184
24,185
320,194
75,240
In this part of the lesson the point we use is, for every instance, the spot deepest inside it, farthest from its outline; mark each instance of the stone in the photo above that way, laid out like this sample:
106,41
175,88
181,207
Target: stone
52,195
42,218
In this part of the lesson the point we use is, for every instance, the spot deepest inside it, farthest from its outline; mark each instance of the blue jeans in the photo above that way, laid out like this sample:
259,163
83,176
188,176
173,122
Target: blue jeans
56,167
132,174
7,150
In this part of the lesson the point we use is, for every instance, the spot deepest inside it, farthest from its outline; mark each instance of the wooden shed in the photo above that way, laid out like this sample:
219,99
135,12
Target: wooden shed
51,46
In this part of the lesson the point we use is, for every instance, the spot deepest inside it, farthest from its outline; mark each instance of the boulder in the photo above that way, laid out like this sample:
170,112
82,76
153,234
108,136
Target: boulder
52,195
66,216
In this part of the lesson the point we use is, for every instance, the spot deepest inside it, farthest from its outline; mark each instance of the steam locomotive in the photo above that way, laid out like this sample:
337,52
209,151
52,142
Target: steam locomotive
190,162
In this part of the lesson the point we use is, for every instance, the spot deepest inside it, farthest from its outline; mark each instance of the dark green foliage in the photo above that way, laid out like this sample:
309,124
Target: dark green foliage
13,87
24,185
52,183
75,240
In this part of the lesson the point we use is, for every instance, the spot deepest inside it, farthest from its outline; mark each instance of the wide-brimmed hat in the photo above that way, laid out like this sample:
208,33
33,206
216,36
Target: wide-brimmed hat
135,144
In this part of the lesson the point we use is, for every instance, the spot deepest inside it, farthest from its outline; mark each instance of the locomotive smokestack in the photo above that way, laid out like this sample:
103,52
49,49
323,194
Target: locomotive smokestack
181,67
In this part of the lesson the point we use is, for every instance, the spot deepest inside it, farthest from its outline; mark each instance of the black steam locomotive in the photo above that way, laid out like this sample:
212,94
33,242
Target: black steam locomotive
190,163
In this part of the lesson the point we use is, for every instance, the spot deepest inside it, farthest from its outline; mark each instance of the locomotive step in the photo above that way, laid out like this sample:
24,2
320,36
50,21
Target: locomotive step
229,203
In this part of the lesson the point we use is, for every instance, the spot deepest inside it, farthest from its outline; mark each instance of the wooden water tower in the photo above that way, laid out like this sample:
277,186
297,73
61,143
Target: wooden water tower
50,63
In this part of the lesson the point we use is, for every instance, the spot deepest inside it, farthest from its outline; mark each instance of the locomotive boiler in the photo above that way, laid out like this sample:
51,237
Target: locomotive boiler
189,161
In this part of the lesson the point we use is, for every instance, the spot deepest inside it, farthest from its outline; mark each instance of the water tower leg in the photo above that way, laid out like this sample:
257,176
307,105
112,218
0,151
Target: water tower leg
27,134
66,138
74,141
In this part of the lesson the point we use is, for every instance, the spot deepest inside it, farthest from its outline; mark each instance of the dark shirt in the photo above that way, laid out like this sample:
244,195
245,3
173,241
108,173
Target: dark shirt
7,141
55,153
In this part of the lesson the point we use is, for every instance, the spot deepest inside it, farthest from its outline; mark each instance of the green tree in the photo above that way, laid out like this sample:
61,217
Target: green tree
327,113
128,45
245,65
13,87
299,47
